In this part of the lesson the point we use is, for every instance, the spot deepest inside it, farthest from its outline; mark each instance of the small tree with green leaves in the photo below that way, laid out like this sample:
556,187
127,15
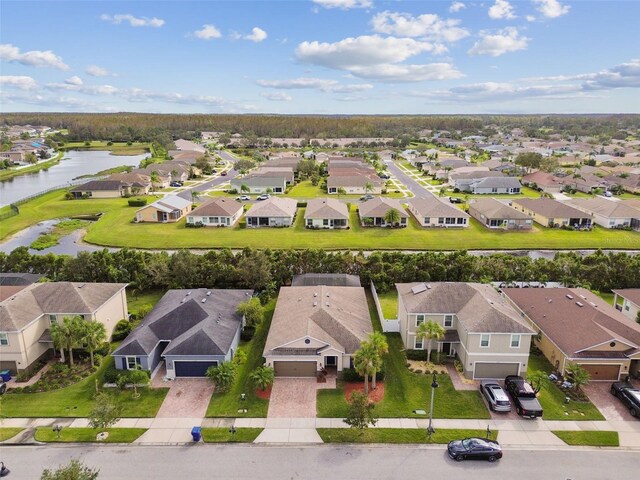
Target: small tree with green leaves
94,335
262,377
223,376
360,414
195,195
244,188
252,310
379,343
366,362
105,411
138,378
368,187
578,376
538,380
392,217
74,470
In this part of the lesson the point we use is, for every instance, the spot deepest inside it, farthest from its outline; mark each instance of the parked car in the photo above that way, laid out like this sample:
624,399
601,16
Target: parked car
496,397
366,197
455,200
474,449
524,397
264,196
3,387
243,198
628,395
384,175
224,173
176,184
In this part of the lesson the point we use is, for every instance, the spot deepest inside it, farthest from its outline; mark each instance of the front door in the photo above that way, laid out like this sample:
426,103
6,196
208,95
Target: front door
330,361
446,348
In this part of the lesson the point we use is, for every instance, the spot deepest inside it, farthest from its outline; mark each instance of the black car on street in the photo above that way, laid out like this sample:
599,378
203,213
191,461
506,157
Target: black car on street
474,449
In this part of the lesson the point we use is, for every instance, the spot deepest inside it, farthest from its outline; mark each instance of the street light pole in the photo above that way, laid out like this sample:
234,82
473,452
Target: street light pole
434,385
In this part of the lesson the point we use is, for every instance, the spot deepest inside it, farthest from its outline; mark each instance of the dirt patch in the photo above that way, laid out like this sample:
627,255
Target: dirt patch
264,394
374,395
424,366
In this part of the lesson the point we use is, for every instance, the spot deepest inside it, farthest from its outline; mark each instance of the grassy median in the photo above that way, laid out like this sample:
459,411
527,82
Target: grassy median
88,435
223,435
398,435
589,438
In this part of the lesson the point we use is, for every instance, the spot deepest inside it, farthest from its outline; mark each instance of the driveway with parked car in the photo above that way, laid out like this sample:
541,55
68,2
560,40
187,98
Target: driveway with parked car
611,407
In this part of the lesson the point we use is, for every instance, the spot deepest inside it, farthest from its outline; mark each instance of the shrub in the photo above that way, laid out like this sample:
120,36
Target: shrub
458,365
418,371
223,376
247,333
110,374
350,375
59,368
420,355
439,358
121,330
137,202
240,357
302,204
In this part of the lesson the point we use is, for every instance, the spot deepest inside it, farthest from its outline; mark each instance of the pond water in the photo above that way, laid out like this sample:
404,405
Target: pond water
74,164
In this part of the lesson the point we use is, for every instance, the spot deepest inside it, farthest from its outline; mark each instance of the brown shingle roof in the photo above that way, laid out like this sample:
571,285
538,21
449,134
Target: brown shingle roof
631,294
378,206
549,208
434,207
326,208
493,208
217,207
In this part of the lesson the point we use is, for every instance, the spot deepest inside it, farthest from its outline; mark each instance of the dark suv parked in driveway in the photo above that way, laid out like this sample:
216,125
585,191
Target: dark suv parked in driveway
629,395
524,397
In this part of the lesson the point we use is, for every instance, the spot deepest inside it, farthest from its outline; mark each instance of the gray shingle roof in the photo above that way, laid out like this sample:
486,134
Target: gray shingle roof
378,206
99,185
493,208
549,208
432,206
326,208
604,207
273,207
333,279
217,207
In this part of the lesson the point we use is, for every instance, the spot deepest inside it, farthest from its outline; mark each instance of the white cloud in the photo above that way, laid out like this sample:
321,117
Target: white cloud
277,96
257,35
427,26
456,7
530,18
324,85
33,58
344,4
504,41
207,32
394,73
96,71
75,80
18,81
551,8
502,10
133,21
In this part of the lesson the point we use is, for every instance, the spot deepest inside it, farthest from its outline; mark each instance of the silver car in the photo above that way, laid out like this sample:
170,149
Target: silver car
495,395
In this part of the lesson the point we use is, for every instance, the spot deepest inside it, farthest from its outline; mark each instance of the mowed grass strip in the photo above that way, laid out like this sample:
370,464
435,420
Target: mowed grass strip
589,438
223,435
88,435
398,435
9,432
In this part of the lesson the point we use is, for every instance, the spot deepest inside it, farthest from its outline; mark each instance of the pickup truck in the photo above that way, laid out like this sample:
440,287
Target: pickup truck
629,395
524,397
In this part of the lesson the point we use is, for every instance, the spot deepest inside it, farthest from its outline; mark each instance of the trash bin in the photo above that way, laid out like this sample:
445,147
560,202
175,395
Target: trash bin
5,375
196,433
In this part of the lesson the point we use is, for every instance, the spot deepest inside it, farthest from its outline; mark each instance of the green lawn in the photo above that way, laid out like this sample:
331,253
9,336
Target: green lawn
146,300
526,192
607,297
77,400
589,438
117,148
9,432
88,435
389,303
398,435
552,398
307,190
12,172
222,435
227,404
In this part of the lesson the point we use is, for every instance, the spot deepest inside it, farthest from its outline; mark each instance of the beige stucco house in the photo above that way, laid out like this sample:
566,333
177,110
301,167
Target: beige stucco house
166,210
627,300
432,212
315,327
217,212
326,213
482,329
551,213
26,317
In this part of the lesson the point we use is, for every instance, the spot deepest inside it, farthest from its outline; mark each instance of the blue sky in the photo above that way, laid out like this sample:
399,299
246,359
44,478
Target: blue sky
321,56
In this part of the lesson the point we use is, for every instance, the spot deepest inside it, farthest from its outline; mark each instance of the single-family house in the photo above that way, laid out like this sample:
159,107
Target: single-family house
442,168
100,189
168,209
258,184
190,330
373,211
273,212
630,182
26,316
137,183
543,181
315,327
575,326
326,213
463,180
481,328
286,172
551,213
431,211
627,300
216,212
608,213
354,182
12,283
493,213
495,185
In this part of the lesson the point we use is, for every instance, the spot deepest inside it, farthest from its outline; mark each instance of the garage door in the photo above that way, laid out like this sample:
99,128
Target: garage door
495,370
193,369
603,372
295,369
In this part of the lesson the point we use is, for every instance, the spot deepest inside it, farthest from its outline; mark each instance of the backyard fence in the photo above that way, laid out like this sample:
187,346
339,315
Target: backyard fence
391,325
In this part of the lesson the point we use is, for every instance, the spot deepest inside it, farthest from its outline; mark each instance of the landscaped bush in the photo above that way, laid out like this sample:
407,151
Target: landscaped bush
350,375
247,333
60,375
137,202
121,330
302,204
110,374
26,375
420,355
439,358
458,365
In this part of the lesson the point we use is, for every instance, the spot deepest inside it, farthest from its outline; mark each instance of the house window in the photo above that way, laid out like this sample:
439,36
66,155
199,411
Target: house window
133,363
440,220
419,319
515,341
53,319
448,320
427,220
325,221
4,339
462,221
484,340
417,344
494,190
309,222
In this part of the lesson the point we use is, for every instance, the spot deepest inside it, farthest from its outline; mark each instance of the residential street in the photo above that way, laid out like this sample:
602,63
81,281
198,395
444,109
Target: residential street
216,181
348,462
413,186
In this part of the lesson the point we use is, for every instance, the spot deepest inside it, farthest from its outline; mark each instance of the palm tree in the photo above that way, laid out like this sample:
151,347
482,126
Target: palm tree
392,217
194,194
94,335
60,336
379,343
68,334
578,376
341,191
430,331
368,187
155,179
366,361
262,377
244,188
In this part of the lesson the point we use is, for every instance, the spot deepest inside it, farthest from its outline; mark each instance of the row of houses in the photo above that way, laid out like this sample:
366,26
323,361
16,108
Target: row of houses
353,175
587,180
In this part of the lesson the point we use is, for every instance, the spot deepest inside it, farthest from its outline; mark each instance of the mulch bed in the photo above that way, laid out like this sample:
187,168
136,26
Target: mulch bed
264,394
374,395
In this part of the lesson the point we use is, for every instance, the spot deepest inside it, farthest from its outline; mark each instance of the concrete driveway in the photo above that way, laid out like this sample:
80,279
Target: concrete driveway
609,406
293,398
187,397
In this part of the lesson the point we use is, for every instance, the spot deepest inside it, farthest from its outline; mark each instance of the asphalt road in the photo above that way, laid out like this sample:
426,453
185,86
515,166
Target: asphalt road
216,181
413,186
252,462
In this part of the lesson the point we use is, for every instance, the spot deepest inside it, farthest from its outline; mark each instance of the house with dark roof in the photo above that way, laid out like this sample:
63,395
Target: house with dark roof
493,213
26,316
482,329
190,330
575,326
329,279
100,189
326,213
316,326
431,211
217,212
551,213
627,300
12,283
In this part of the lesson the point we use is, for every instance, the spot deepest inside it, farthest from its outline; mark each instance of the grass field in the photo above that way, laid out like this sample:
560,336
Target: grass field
398,435
222,435
589,438
146,300
116,148
389,303
88,435
9,432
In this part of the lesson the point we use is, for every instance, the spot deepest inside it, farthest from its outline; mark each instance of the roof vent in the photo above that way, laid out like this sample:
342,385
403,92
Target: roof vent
327,304
428,286
80,286
299,299
209,293
204,300
189,293
580,304
183,300
583,297
550,300
328,295
593,304
570,297
315,294
315,304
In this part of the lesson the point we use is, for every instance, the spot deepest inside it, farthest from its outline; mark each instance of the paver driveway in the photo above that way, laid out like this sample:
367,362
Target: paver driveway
187,397
609,406
293,397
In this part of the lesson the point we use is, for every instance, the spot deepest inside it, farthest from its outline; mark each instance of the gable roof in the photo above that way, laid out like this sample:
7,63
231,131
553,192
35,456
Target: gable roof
326,208
631,294
574,327
334,279
549,208
271,179
606,208
273,207
492,208
192,327
72,298
169,203
341,324
354,180
99,185
378,206
217,207
496,182
479,307
432,206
